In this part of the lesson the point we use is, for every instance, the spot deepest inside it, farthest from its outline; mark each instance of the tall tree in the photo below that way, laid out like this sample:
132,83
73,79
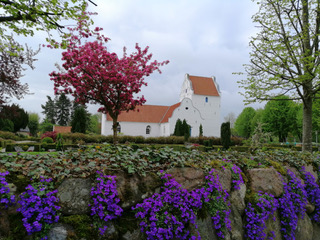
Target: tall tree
285,56
49,110
63,110
17,115
95,75
12,61
279,117
33,124
26,16
243,124
177,128
79,120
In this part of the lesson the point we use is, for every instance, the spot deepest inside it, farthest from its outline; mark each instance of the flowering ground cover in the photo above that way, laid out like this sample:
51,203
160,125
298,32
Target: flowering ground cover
170,213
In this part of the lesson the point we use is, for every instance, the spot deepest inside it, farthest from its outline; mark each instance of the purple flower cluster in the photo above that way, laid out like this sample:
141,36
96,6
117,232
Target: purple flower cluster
237,179
291,203
104,205
215,200
38,207
257,215
167,215
6,199
313,193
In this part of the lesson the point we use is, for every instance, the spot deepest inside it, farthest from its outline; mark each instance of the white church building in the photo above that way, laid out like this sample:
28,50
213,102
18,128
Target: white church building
199,104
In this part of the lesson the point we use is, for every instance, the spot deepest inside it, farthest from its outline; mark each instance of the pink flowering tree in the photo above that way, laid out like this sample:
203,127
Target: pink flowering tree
92,74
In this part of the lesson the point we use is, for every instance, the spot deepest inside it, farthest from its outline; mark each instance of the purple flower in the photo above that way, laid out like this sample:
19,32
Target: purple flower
6,199
256,215
104,206
292,203
38,207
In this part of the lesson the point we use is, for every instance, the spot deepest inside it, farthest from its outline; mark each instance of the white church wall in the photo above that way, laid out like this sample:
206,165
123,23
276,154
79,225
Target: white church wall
209,106
165,130
187,111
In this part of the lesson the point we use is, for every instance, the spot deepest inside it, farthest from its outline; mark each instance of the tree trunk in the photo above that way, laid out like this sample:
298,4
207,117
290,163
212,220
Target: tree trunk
114,128
307,125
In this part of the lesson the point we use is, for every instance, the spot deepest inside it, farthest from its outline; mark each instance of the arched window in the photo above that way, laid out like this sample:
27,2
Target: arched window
206,99
148,129
119,128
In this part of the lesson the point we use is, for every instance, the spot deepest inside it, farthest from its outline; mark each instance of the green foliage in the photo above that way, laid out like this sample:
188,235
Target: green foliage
47,140
33,124
63,110
59,142
46,126
79,120
279,117
200,131
95,124
178,128
24,17
49,110
17,115
243,124
225,135
6,125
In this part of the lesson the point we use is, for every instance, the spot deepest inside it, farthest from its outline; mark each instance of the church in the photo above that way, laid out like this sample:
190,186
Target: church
199,104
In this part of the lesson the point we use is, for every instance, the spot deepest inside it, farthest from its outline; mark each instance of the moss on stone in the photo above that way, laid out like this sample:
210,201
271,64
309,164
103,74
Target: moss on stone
17,230
19,180
127,222
82,225
277,166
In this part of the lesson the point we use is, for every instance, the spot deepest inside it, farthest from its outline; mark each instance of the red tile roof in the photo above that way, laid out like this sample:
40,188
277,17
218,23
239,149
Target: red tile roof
147,113
203,86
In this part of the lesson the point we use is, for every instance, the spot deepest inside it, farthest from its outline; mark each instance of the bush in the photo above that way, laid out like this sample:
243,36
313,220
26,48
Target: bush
52,135
225,135
47,140
8,135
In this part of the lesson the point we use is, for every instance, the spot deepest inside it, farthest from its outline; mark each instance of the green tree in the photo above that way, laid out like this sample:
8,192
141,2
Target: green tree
178,128
63,110
79,120
6,125
257,118
49,110
17,115
185,129
23,17
285,56
200,131
279,117
33,124
243,124
46,126
95,123
225,135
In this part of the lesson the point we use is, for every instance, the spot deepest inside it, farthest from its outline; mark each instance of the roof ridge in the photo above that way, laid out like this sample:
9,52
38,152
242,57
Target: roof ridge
165,114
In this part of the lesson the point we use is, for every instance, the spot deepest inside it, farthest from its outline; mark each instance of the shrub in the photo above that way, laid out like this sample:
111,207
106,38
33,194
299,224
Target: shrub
225,135
52,135
47,140
8,135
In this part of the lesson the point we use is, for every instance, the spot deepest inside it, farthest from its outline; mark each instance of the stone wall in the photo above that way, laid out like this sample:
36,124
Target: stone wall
74,195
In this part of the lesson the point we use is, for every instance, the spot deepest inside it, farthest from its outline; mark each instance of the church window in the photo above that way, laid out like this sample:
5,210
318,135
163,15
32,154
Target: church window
187,108
148,129
186,90
119,128
206,99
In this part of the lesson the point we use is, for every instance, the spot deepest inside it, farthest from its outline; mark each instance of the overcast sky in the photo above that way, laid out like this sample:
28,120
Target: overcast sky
203,38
